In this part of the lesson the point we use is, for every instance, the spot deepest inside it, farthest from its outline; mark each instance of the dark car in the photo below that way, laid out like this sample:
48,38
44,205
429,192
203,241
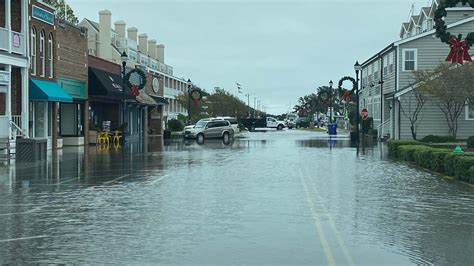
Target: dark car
302,122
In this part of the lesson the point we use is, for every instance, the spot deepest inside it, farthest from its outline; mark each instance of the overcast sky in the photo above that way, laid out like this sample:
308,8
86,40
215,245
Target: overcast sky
278,50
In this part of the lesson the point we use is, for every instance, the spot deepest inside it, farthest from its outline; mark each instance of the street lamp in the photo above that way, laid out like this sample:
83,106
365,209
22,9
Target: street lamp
190,84
357,68
124,58
330,100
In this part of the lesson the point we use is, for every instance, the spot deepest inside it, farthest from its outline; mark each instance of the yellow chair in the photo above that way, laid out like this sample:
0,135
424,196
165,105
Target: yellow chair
116,138
103,138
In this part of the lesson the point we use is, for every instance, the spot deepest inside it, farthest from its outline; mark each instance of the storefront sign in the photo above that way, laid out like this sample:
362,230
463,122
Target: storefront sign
16,40
42,15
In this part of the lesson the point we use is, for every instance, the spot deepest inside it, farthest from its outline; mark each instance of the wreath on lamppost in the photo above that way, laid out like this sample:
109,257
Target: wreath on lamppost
459,46
135,80
196,96
347,95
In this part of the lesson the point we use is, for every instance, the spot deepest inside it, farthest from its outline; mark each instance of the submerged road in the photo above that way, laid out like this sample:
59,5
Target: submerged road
286,197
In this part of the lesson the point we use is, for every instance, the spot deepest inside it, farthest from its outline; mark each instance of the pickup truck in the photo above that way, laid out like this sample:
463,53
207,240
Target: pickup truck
266,122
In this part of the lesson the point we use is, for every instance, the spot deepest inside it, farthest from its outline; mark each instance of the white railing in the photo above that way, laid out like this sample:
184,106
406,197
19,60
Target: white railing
4,40
16,131
384,129
18,43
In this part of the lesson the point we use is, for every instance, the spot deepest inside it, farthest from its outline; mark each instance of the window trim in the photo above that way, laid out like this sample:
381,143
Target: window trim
42,54
415,59
467,112
50,55
33,51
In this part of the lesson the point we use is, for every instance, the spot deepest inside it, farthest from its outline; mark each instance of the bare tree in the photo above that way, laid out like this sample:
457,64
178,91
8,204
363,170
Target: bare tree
451,86
412,108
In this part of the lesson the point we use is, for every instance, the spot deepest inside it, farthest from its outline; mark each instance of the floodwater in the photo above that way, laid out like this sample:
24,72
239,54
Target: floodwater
271,198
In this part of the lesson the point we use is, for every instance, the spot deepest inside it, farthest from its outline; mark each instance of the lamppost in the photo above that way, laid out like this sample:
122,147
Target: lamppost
124,58
330,101
357,68
190,84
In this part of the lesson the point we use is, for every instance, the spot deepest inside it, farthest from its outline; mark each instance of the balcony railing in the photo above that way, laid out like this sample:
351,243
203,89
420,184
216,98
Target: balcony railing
16,39
122,43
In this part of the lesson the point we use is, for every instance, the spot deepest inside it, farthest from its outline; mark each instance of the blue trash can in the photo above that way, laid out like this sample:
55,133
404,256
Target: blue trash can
332,129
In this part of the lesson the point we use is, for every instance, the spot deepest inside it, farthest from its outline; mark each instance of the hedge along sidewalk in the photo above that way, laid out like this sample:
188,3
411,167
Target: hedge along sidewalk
443,161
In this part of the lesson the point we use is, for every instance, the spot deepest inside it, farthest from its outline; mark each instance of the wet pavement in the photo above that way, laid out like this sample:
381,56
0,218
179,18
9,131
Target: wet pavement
271,198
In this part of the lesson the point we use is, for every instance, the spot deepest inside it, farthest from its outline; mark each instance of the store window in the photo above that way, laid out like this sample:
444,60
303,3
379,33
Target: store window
42,54
50,55
33,52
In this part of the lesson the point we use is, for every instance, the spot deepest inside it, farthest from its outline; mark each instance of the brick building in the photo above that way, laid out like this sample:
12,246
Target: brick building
72,76
44,92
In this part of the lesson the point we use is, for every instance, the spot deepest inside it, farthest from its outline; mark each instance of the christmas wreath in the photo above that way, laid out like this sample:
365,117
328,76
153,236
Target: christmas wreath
135,80
196,96
459,46
348,94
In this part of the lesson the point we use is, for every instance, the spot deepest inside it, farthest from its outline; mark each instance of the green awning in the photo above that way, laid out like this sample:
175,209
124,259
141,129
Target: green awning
41,90
75,88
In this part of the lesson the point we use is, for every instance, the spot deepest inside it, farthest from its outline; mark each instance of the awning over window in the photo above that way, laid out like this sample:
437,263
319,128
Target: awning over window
144,99
160,100
41,90
102,83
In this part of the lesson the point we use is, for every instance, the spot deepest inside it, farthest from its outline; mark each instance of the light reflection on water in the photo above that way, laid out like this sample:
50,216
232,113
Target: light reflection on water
239,203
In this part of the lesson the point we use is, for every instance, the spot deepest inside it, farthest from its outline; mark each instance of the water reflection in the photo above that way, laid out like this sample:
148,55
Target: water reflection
244,202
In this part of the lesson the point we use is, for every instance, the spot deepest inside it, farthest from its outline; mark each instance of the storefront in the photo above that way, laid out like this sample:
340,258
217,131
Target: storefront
105,102
71,115
45,97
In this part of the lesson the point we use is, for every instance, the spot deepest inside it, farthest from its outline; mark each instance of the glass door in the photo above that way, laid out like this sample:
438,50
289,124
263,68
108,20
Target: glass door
40,119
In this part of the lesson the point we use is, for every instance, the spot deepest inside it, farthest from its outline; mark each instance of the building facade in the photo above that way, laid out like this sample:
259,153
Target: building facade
72,76
109,43
387,77
14,111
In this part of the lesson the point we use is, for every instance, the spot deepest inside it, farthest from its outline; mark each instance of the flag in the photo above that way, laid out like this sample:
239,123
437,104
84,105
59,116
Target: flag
239,87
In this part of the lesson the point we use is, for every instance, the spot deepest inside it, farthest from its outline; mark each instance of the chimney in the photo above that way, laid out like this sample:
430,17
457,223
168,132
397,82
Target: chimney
132,33
105,34
152,49
143,43
160,53
120,29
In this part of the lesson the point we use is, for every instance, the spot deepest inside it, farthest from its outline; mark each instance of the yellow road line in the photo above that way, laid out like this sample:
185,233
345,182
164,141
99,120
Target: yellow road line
317,223
332,224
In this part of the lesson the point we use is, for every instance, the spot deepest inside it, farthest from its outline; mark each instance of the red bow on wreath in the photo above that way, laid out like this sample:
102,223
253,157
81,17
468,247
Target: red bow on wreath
459,51
135,90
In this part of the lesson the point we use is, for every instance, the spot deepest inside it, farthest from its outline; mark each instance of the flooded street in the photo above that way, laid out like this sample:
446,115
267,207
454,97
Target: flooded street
286,197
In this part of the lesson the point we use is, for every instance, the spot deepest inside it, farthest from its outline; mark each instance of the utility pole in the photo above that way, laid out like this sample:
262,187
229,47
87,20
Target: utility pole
254,105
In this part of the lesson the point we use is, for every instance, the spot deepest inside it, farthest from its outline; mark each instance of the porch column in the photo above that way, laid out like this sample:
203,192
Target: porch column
145,122
25,106
8,101
8,24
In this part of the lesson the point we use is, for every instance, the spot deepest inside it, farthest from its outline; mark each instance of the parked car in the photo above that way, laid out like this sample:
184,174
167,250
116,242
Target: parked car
302,122
207,129
233,122
265,122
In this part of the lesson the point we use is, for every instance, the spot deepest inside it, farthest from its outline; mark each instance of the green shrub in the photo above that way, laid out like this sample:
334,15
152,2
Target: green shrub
422,156
471,174
438,139
449,163
470,142
393,146
407,152
436,159
183,119
175,125
462,164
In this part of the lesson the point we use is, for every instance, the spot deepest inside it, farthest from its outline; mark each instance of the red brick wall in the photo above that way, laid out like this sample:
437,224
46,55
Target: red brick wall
104,65
16,90
71,54
48,29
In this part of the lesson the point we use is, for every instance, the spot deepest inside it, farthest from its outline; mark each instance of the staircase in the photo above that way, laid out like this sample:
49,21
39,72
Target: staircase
8,145
384,130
